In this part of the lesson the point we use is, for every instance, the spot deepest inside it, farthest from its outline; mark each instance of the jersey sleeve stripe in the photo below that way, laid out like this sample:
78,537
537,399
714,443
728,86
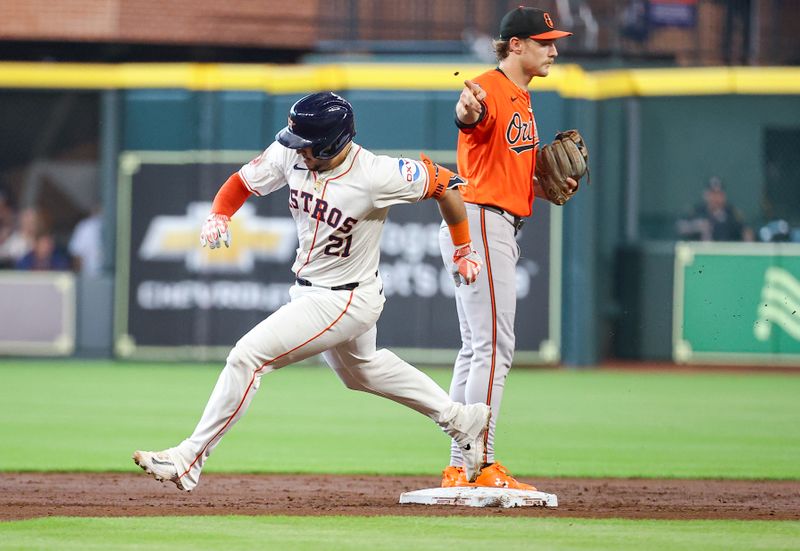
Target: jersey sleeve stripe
427,182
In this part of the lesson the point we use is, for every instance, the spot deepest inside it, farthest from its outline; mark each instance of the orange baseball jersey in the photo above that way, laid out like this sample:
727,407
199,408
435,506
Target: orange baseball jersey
497,154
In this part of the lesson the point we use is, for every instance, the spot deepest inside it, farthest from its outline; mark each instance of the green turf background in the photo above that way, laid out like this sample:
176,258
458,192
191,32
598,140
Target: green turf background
90,416
395,533
71,415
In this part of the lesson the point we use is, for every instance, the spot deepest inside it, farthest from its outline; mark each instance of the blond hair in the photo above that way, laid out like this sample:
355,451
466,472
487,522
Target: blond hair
501,49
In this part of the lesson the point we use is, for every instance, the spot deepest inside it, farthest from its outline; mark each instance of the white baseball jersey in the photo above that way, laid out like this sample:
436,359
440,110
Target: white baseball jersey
339,213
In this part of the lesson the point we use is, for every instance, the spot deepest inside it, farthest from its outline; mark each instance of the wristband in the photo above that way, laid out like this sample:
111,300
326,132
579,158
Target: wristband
459,233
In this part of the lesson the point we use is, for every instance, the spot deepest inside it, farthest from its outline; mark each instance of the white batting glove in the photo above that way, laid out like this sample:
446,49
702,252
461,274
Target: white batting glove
466,265
215,231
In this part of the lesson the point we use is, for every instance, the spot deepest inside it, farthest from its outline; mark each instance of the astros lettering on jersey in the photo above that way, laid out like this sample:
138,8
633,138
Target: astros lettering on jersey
338,226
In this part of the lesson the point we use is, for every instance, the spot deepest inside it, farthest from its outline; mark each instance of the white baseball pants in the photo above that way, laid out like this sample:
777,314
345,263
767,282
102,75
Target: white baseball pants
340,325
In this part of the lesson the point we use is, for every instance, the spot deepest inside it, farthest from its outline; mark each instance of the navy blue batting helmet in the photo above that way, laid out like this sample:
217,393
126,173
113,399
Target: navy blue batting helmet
322,121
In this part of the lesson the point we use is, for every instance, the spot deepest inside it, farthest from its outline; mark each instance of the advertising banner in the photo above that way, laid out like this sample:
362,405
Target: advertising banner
673,13
737,303
176,300
38,313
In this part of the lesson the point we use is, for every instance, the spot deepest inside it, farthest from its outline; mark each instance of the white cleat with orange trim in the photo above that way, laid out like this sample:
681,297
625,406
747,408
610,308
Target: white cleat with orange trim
159,465
468,429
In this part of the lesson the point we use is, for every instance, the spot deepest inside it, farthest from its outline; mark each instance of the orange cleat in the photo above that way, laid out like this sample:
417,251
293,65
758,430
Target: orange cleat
497,476
455,476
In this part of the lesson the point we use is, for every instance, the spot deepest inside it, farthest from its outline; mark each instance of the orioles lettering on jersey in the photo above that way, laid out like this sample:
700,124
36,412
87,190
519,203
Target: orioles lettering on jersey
519,132
496,156
320,210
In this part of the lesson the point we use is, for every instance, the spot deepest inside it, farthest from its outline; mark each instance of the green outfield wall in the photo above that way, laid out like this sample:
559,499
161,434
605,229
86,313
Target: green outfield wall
655,136
737,303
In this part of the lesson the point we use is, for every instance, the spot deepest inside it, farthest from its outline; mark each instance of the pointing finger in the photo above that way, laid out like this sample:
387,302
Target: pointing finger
471,85
477,91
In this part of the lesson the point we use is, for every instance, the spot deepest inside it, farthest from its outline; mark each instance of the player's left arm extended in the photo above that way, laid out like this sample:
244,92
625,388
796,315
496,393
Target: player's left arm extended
230,198
443,186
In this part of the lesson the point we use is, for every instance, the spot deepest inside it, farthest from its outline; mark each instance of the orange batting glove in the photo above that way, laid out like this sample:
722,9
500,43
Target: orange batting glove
466,265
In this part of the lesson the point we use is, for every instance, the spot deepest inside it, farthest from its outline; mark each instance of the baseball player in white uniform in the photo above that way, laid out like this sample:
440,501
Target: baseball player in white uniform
339,196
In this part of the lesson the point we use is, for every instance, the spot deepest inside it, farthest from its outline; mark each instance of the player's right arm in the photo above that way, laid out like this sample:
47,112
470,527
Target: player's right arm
261,176
470,109
230,197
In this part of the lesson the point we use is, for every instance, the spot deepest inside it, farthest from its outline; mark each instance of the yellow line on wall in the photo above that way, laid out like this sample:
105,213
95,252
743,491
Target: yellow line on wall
568,80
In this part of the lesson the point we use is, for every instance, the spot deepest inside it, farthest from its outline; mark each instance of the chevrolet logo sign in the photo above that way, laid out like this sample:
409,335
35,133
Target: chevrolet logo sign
177,238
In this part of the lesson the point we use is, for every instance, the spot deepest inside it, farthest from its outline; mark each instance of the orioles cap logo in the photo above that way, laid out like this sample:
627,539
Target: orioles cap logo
548,21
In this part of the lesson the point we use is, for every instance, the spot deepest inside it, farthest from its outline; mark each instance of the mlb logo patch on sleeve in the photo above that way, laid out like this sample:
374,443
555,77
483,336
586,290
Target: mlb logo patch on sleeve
410,170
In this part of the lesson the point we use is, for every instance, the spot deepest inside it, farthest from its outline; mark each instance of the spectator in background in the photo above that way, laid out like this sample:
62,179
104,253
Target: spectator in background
714,219
776,231
20,242
86,245
7,221
45,255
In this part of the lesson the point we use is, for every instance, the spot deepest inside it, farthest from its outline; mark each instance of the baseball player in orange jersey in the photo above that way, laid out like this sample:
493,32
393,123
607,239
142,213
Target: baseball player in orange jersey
339,195
497,143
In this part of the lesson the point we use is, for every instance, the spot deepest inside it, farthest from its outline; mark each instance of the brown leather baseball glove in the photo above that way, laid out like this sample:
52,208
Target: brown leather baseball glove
566,157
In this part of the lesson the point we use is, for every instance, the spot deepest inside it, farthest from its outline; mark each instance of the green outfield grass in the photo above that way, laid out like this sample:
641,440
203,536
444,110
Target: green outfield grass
388,533
90,416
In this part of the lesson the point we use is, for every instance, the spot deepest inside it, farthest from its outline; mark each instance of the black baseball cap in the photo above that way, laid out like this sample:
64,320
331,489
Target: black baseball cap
529,23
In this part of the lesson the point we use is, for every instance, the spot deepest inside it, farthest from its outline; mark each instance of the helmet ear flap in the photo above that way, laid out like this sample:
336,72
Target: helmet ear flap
326,152
335,146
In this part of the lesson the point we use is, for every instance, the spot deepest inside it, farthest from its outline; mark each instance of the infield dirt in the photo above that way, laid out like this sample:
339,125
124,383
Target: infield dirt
30,495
